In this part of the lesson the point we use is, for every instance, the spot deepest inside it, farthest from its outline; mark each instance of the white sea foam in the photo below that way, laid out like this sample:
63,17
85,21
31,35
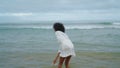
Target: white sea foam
116,23
83,27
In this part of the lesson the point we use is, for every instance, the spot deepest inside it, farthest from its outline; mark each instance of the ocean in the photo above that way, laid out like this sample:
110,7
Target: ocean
34,45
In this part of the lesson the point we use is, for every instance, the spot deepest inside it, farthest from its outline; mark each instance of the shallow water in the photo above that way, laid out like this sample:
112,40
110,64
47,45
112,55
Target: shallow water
44,60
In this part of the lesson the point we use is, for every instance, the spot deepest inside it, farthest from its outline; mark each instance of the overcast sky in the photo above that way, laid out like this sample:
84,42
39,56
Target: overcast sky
55,10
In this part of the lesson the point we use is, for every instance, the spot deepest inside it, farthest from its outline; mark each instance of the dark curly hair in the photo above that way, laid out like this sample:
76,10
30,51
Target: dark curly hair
59,27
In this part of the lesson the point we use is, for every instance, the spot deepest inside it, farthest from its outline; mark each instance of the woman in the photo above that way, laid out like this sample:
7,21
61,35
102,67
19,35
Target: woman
66,47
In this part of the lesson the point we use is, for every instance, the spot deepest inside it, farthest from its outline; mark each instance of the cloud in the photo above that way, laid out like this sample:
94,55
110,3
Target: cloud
15,14
62,15
56,5
72,15
36,10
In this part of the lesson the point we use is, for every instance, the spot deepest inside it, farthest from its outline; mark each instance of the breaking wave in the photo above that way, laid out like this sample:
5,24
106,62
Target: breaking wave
68,26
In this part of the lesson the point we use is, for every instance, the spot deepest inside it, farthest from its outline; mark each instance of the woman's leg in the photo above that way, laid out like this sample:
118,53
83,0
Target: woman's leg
61,60
67,61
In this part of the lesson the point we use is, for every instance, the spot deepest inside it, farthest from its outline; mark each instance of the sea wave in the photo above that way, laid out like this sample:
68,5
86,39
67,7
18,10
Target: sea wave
110,23
68,26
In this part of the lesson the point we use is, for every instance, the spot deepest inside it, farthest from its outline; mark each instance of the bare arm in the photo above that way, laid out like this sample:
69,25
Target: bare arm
56,58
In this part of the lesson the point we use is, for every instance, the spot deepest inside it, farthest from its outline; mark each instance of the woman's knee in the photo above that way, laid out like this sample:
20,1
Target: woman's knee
67,59
61,60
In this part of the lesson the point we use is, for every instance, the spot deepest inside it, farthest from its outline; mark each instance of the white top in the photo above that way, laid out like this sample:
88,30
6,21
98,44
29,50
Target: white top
66,47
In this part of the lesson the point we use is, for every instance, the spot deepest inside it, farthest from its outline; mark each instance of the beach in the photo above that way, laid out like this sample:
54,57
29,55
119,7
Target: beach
97,45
